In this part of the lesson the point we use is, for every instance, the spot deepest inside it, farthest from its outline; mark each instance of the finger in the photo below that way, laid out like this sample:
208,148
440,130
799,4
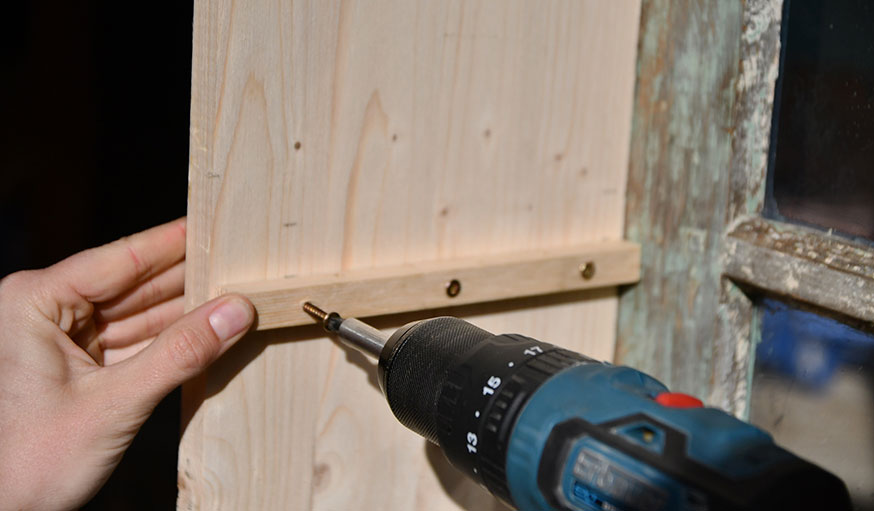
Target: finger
114,356
102,273
148,323
162,287
181,351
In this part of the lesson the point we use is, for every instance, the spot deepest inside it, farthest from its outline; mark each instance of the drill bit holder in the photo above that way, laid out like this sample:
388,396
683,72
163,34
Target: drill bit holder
430,285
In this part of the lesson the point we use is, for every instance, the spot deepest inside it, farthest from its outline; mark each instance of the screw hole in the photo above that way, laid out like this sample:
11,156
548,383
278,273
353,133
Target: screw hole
587,270
453,288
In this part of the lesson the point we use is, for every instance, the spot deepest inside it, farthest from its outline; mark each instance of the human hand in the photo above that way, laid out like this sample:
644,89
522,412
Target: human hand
88,347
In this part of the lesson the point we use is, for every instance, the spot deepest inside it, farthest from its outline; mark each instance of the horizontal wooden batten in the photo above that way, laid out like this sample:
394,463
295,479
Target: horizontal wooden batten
803,264
431,285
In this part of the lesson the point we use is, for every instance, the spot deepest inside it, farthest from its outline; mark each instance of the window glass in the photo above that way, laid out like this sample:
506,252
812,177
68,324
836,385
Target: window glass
822,142
813,390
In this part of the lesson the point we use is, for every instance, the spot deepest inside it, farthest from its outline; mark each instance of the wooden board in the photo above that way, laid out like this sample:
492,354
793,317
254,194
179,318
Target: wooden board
432,284
702,112
804,265
340,135
678,187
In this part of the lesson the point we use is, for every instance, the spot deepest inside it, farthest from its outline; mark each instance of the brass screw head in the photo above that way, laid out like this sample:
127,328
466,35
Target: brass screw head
453,287
587,270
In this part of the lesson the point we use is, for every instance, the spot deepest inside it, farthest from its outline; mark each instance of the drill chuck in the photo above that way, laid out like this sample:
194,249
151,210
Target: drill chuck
462,388
414,367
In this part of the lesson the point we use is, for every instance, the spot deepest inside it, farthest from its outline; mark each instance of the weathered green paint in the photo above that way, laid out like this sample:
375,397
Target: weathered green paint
678,186
695,164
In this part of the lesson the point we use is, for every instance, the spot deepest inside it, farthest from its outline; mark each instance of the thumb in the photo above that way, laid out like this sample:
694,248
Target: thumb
186,348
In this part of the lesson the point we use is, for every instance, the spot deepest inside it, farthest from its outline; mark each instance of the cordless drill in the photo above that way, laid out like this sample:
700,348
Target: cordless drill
543,428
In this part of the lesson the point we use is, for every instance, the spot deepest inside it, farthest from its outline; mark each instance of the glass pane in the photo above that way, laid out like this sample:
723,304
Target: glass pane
822,169
813,389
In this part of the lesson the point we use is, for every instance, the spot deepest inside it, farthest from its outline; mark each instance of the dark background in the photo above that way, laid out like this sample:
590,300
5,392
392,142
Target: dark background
822,139
94,146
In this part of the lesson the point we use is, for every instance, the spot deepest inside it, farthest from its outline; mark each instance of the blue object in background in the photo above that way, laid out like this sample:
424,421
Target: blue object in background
806,347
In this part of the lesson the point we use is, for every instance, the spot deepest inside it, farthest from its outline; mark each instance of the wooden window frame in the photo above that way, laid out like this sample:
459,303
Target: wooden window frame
696,193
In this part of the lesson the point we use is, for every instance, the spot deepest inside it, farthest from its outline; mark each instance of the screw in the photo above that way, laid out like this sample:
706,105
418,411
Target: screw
314,311
453,288
587,270
329,320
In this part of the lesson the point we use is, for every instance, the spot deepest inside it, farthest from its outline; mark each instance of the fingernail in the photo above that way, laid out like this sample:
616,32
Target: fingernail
230,318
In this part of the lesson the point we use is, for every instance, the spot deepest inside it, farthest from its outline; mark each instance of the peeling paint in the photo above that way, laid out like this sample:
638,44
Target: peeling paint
803,265
699,146
808,244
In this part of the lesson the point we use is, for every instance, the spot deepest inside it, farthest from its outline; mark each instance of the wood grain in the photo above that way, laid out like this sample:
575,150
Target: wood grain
804,265
336,136
424,285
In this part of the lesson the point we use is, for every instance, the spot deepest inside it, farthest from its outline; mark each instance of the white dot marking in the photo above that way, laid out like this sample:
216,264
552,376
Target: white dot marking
510,364
476,414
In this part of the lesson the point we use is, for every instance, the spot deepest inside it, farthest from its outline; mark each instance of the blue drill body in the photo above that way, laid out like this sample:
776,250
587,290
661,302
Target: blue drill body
601,393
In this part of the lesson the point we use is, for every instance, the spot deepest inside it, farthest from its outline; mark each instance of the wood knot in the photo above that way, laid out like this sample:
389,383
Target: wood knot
321,475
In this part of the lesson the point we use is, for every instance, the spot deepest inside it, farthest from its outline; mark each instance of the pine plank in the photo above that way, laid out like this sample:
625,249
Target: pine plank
337,136
426,285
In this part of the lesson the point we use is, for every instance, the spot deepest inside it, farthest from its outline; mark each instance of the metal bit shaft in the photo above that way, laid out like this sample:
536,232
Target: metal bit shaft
352,332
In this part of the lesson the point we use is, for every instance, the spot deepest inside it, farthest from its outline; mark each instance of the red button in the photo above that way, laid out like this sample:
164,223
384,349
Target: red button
678,400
